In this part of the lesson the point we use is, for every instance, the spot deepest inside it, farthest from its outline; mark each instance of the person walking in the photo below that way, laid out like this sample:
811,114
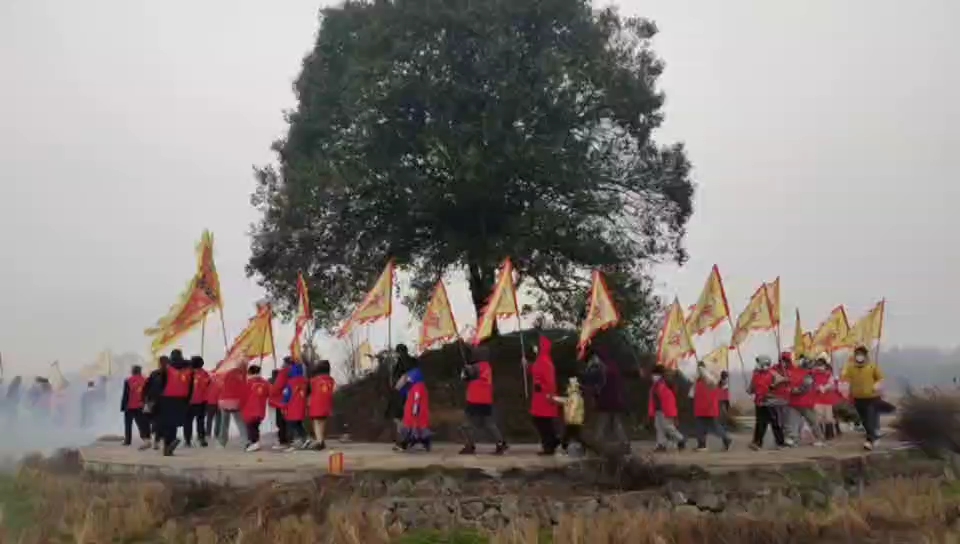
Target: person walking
253,407
322,387
866,380
132,402
706,408
803,398
573,415
662,409
603,376
543,410
765,413
479,408
197,410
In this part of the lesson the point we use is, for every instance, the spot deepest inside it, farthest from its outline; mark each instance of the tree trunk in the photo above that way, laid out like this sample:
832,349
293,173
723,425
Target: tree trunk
481,280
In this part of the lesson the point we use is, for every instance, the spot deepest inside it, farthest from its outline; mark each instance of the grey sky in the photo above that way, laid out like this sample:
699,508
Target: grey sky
823,134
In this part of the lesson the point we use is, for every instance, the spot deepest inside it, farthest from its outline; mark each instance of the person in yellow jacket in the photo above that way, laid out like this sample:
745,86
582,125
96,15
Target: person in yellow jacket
865,379
573,414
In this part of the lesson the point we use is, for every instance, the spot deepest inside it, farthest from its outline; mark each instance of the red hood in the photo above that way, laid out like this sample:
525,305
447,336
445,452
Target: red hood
543,353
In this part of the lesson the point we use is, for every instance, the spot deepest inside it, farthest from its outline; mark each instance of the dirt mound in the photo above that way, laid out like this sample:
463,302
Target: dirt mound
361,406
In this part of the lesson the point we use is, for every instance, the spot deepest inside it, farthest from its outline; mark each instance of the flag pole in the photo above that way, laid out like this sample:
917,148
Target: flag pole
743,367
273,343
523,354
883,310
203,334
223,327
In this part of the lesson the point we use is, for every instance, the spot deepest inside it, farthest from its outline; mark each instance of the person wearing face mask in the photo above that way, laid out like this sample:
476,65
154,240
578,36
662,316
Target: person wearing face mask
662,408
706,408
765,410
865,379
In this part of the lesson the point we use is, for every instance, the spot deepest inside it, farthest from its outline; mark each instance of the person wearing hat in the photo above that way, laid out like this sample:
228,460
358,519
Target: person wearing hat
479,408
865,379
765,407
573,415
706,408
662,409
396,401
253,407
802,403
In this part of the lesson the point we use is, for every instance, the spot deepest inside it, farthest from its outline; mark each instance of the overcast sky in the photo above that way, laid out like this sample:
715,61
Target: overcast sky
824,137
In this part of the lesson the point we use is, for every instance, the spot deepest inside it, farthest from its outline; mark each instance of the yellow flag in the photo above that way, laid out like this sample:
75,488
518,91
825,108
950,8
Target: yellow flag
830,334
867,329
799,344
711,308
201,297
601,312
675,341
502,303
255,342
773,293
376,305
102,367
304,315
718,359
439,324
757,316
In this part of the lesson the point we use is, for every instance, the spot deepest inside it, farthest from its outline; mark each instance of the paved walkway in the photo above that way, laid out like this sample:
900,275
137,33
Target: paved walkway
236,466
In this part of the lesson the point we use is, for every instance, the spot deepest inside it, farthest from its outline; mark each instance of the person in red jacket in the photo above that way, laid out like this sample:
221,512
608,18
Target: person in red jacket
416,411
662,409
254,406
706,408
233,388
542,407
275,402
175,385
132,403
827,395
198,404
293,383
765,413
212,416
320,405
803,399
479,409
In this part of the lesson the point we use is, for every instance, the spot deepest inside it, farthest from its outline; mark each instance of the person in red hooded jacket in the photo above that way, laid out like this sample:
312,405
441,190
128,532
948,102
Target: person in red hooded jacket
542,407
233,387
254,406
197,410
320,405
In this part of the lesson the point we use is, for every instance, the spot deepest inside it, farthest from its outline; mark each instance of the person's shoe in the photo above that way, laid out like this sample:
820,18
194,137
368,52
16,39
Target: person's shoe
701,449
321,446
754,446
468,450
501,448
125,443
427,444
203,443
188,444
306,445
727,443
868,445
253,447
174,445
681,445
818,444
156,445
789,443
400,447
659,448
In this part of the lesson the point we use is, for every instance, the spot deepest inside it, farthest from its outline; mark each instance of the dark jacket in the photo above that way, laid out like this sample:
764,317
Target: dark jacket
607,383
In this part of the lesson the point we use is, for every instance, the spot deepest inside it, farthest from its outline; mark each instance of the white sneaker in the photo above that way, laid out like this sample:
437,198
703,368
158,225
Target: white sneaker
253,447
789,443
818,444
306,444
868,445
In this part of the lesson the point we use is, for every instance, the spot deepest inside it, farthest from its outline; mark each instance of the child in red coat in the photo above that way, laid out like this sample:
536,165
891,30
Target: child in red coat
416,413
254,406
320,404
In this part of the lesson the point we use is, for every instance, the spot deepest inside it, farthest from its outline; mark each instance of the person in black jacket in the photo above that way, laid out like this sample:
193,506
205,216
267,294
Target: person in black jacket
132,403
174,399
402,363
152,390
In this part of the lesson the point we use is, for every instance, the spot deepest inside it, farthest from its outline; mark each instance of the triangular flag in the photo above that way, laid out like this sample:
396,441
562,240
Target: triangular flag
773,293
601,312
711,308
867,329
718,360
304,315
757,316
376,305
830,334
502,303
255,342
438,322
675,341
201,296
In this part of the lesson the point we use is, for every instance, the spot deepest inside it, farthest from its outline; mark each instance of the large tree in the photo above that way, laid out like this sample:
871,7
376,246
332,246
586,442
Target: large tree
449,134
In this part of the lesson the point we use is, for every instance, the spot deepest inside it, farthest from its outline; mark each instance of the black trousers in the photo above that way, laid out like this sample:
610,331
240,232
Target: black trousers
767,416
547,432
253,431
869,418
283,434
173,415
295,431
196,415
143,425
571,433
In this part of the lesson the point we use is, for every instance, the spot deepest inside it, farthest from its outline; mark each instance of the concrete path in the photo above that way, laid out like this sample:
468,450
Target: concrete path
235,466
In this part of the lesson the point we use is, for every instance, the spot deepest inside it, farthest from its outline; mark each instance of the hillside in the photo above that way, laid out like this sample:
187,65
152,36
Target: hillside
360,406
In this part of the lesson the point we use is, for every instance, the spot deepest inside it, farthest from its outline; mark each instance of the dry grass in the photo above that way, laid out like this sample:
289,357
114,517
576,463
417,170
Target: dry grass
69,506
931,420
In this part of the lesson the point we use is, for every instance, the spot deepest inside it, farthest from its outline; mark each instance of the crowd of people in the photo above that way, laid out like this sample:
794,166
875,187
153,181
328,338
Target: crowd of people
788,396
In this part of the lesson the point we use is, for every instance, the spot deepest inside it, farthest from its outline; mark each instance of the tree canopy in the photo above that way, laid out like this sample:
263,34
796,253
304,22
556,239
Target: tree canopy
449,134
